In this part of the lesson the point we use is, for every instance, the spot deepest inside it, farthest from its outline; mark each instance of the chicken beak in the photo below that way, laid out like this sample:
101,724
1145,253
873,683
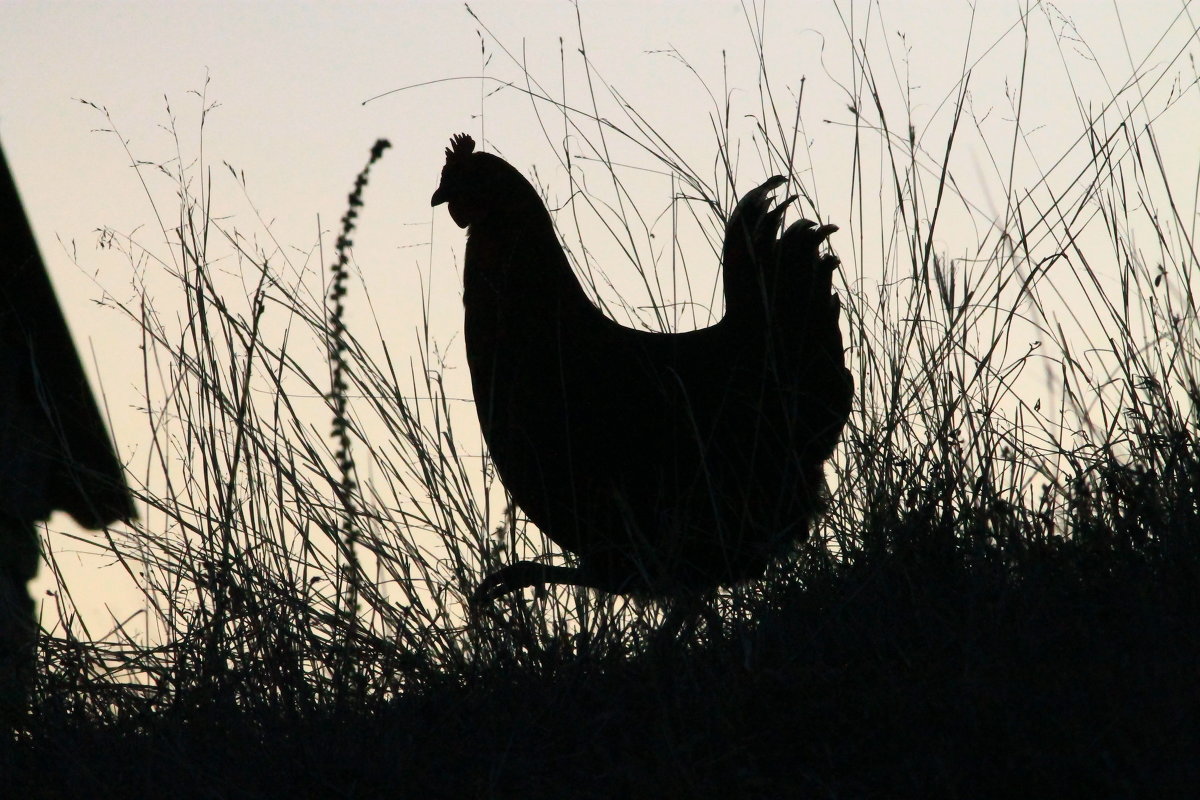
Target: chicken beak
439,197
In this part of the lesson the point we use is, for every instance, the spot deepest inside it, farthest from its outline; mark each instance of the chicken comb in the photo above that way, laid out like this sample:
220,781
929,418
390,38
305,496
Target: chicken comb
461,146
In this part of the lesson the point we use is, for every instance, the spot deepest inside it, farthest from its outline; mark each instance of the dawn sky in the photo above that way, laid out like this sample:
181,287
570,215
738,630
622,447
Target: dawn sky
285,84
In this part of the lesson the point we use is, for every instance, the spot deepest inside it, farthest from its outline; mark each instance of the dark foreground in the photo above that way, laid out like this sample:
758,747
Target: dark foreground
905,678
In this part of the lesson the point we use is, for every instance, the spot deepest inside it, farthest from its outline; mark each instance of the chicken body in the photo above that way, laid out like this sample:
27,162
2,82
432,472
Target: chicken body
668,463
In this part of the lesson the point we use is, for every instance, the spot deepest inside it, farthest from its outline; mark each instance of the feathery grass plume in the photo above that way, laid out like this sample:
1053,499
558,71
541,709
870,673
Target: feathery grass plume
348,535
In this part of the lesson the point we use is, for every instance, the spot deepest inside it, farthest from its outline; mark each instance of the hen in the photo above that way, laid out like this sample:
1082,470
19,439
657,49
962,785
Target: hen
667,463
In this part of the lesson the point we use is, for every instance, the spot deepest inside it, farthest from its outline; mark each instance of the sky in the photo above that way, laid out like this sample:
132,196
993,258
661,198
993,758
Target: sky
285,85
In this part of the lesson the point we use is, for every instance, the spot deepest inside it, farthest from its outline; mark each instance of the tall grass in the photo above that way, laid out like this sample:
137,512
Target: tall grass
1023,443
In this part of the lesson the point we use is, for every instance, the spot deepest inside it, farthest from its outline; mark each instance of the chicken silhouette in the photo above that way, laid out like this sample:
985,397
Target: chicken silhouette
668,463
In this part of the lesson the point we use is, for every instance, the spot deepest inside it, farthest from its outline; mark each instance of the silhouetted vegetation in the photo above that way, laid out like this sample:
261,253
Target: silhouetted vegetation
1001,599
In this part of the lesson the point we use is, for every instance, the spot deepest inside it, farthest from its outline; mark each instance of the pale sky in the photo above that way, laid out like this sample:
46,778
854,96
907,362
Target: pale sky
290,80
